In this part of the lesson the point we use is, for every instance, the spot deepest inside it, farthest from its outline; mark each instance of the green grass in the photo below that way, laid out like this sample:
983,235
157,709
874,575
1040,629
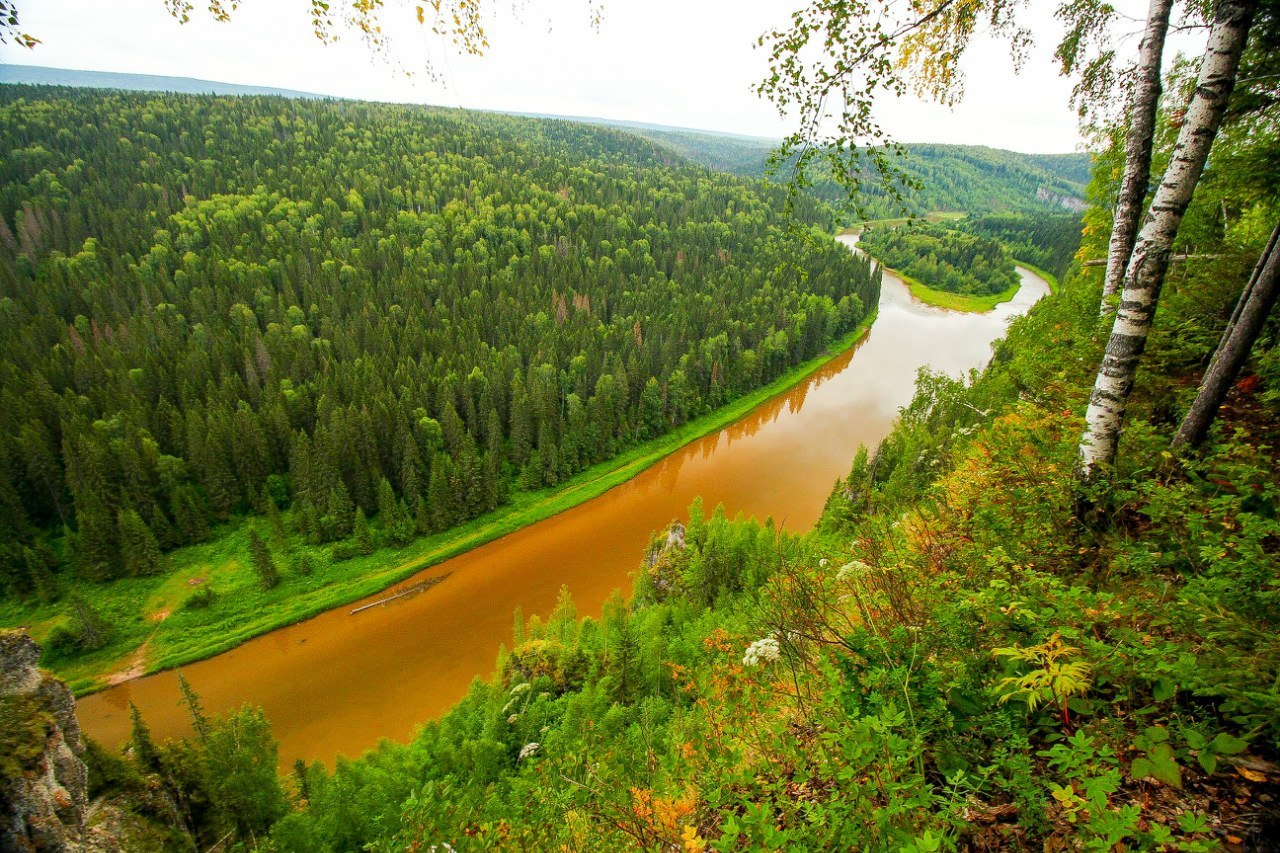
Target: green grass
931,216
955,301
1049,278
242,610
943,298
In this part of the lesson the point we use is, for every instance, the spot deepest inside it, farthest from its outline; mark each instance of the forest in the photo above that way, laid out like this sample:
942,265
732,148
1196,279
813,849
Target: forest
971,179
943,258
358,323
1048,241
1042,614
950,659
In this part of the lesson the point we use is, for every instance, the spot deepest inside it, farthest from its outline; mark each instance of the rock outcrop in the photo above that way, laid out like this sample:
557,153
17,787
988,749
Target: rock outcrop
43,782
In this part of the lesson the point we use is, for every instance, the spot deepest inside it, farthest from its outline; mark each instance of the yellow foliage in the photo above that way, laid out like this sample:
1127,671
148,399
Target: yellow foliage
665,817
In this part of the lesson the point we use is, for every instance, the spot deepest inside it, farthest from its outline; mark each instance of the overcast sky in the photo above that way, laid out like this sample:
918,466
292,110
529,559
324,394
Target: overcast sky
688,63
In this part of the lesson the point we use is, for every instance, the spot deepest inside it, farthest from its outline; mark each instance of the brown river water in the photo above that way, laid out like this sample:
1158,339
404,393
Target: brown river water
338,683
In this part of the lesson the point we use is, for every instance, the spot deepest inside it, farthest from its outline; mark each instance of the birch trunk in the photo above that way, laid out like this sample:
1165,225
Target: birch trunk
1150,261
1137,150
1256,302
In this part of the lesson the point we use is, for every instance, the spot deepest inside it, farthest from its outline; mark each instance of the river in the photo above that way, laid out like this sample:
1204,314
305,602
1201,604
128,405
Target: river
336,684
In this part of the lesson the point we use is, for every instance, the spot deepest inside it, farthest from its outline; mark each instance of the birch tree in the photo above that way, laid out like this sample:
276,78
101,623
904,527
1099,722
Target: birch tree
1137,149
1149,262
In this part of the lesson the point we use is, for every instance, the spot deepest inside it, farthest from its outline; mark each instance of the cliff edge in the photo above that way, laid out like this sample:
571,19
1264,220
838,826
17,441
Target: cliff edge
43,782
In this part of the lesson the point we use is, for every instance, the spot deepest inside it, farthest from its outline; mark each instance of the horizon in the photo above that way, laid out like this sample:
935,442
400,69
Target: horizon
669,64
622,123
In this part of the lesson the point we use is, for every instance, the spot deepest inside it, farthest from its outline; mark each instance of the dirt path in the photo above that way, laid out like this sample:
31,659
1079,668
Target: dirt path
138,660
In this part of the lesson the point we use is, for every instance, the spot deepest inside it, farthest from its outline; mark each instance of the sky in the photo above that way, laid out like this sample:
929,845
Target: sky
687,63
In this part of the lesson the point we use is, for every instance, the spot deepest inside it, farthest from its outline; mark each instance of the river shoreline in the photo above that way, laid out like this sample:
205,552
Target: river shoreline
524,510
336,684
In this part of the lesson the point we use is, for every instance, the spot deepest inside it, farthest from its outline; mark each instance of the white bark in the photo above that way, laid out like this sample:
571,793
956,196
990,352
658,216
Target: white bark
1137,150
1147,267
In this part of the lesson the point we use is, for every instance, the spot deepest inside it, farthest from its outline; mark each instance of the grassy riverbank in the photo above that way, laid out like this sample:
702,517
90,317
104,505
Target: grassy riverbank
1049,278
962,302
155,626
943,298
955,301
931,216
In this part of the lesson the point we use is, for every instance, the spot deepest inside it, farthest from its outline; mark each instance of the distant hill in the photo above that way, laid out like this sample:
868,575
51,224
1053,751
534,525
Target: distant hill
38,75
969,178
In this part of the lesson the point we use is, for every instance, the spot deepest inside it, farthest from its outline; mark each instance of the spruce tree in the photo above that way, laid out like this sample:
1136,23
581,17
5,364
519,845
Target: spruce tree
362,535
145,751
139,551
264,565
43,581
191,699
90,629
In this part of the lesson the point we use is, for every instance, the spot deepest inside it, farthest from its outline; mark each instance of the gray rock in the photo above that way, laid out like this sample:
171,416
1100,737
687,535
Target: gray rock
44,804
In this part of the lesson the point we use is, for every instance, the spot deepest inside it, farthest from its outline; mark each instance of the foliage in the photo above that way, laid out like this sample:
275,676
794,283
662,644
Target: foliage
842,690
24,727
419,320
1049,241
968,178
943,258
1052,678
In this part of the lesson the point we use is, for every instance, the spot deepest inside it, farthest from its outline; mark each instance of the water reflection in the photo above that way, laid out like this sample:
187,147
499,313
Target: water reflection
338,683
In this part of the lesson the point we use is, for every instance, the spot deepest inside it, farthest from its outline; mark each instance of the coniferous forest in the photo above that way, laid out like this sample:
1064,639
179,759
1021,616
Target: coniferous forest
1042,612
943,258
343,311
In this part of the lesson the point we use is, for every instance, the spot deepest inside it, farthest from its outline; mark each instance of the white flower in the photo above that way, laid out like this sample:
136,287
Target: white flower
511,721
762,651
822,564
528,750
850,570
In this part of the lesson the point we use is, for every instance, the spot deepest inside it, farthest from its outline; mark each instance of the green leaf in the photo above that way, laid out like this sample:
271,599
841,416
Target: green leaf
1194,739
1208,761
1225,744
1164,766
1168,773
1164,689
1156,734
1193,823
1140,768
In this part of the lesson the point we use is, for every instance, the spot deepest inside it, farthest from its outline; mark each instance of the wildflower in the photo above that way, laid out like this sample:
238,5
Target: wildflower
766,650
822,564
511,721
850,570
528,750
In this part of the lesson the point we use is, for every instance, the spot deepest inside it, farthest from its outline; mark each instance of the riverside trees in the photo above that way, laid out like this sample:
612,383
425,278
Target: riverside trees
867,49
217,307
943,258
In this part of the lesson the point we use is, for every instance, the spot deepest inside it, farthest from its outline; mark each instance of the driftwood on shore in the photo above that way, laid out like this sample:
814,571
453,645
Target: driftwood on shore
411,589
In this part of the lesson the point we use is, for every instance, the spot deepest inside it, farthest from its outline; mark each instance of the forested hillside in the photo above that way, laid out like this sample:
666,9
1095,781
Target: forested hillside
965,178
943,258
329,312
951,660
1049,241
